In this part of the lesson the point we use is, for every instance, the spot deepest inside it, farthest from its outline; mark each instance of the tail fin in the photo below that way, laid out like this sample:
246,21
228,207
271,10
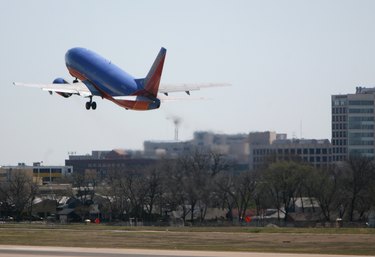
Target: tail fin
152,80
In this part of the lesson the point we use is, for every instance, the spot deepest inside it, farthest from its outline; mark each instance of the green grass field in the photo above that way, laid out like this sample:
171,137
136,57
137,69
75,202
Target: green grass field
358,241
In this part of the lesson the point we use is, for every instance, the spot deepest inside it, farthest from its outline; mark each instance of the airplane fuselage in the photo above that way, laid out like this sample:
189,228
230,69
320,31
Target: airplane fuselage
105,79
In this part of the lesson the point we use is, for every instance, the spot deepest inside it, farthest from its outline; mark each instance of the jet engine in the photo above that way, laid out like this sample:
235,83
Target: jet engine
62,81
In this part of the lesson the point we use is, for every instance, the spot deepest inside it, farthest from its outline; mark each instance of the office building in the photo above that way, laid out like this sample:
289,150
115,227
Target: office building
233,147
40,174
267,147
100,163
353,124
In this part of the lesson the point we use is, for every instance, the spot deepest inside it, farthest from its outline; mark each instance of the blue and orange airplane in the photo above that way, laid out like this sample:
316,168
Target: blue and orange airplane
96,76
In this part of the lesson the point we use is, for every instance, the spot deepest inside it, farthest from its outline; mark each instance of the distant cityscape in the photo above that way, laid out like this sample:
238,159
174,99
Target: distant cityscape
352,134
202,179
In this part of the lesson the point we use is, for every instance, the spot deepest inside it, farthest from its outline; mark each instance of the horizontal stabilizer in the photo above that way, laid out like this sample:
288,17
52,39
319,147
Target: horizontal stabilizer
164,98
186,87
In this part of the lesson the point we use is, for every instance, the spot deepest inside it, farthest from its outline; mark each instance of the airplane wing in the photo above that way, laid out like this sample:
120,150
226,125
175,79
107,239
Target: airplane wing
78,88
184,87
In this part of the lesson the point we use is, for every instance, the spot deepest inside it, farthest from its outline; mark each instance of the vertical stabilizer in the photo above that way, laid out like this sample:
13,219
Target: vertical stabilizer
152,80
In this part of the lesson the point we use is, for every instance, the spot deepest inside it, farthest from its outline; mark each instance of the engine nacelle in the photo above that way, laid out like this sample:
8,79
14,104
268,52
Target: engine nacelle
62,81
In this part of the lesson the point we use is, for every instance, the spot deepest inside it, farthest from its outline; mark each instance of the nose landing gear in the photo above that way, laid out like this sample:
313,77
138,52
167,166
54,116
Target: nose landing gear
90,104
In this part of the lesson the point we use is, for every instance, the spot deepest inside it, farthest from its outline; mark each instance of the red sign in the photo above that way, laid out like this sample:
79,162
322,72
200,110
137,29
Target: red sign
248,219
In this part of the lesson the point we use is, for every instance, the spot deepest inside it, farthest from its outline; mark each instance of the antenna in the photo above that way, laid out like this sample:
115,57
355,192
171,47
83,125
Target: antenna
300,128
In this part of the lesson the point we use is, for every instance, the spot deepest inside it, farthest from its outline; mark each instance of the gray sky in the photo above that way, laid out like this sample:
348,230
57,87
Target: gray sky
284,60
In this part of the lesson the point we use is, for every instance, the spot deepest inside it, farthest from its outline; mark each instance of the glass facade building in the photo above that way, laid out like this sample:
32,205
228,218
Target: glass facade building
353,124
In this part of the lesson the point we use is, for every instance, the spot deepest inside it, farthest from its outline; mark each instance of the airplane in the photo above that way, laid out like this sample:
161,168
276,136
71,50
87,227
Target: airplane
96,76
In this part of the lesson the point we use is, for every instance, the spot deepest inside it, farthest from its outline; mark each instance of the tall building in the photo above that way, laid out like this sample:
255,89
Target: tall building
353,124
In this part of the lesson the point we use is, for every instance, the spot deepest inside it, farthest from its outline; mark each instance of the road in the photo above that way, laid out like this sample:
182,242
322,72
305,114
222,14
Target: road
30,251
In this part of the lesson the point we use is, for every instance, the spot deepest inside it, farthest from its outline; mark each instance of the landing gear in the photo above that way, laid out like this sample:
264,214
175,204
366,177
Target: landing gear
90,104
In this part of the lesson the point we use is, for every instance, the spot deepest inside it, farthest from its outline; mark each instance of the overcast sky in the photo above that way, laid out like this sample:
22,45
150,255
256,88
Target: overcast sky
284,60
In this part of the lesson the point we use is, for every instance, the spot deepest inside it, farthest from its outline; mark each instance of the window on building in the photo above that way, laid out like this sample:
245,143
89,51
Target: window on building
361,110
361,118
44,170
361,102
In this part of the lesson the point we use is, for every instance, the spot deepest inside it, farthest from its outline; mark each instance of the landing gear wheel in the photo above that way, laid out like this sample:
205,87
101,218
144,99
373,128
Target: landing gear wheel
90,104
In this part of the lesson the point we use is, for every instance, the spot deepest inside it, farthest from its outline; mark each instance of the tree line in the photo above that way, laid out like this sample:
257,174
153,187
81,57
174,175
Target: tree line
195,182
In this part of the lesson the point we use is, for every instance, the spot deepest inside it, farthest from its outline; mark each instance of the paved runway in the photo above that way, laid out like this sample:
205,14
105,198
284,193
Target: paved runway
30,251
18,251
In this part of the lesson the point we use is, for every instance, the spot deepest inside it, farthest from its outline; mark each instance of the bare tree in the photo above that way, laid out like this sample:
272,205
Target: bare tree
357,175
283,180
115,192
154,189
199,169
323,185
239,191
19,192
